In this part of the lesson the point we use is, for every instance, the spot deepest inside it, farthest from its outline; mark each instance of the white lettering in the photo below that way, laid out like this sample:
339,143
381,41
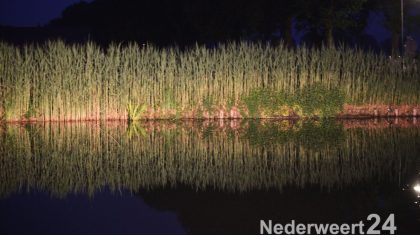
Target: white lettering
321,228
278,229
334,228
300,229
290,228
268,228
345,229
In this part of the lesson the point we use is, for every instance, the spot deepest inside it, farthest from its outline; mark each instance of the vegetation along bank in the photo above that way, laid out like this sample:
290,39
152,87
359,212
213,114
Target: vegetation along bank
59,82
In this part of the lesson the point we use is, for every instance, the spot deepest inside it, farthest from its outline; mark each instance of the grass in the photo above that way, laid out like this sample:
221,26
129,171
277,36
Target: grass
86,157
134,112
55,81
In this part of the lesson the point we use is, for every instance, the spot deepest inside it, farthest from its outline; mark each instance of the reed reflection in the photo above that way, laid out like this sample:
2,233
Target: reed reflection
228,155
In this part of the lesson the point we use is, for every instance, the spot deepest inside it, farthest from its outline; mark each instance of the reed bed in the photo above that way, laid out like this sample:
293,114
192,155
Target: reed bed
87,157
55,81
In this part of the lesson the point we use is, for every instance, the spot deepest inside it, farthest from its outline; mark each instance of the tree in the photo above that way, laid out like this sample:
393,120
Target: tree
326,17
392,13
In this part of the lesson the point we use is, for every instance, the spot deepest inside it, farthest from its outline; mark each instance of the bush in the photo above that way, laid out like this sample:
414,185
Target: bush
312,101
318,100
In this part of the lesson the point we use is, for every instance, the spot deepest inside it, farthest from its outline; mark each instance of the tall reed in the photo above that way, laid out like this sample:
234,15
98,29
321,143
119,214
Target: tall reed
56,81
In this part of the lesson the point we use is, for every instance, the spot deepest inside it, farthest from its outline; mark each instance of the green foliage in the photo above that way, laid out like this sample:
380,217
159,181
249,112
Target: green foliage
178,114
31,112
230,102
135,111
170,101
253,102
266,100
314,100
318,100
298,110
208,103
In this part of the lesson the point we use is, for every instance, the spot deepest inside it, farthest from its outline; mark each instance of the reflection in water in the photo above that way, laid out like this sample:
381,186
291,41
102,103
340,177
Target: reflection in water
414,186
417,188
235,156
219,177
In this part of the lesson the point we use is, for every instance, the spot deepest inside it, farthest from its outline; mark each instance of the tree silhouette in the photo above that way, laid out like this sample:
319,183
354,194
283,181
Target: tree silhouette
186,22
392,13
165,21
322,19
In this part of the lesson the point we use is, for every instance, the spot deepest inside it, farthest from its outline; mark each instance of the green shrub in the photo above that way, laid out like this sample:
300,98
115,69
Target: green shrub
312,101
267,101
135,111
318,100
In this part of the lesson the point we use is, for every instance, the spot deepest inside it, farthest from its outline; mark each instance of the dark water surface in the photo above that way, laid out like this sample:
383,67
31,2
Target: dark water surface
201,177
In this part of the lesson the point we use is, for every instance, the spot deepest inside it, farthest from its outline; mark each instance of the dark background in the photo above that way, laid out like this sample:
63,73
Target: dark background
370,24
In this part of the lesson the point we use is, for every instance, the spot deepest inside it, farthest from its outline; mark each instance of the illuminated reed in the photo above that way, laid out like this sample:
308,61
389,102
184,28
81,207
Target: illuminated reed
56,81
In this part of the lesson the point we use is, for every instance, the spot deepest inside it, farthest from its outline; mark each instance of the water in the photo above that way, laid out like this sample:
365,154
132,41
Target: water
206,177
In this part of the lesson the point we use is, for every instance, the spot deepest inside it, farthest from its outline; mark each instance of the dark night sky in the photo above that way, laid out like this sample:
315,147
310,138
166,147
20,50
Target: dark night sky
31,12
39,12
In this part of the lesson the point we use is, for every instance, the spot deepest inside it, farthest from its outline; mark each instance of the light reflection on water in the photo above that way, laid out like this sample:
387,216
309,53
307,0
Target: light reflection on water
229,155
207,171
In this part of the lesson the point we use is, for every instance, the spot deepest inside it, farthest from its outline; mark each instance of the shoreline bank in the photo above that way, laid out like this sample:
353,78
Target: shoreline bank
348,112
